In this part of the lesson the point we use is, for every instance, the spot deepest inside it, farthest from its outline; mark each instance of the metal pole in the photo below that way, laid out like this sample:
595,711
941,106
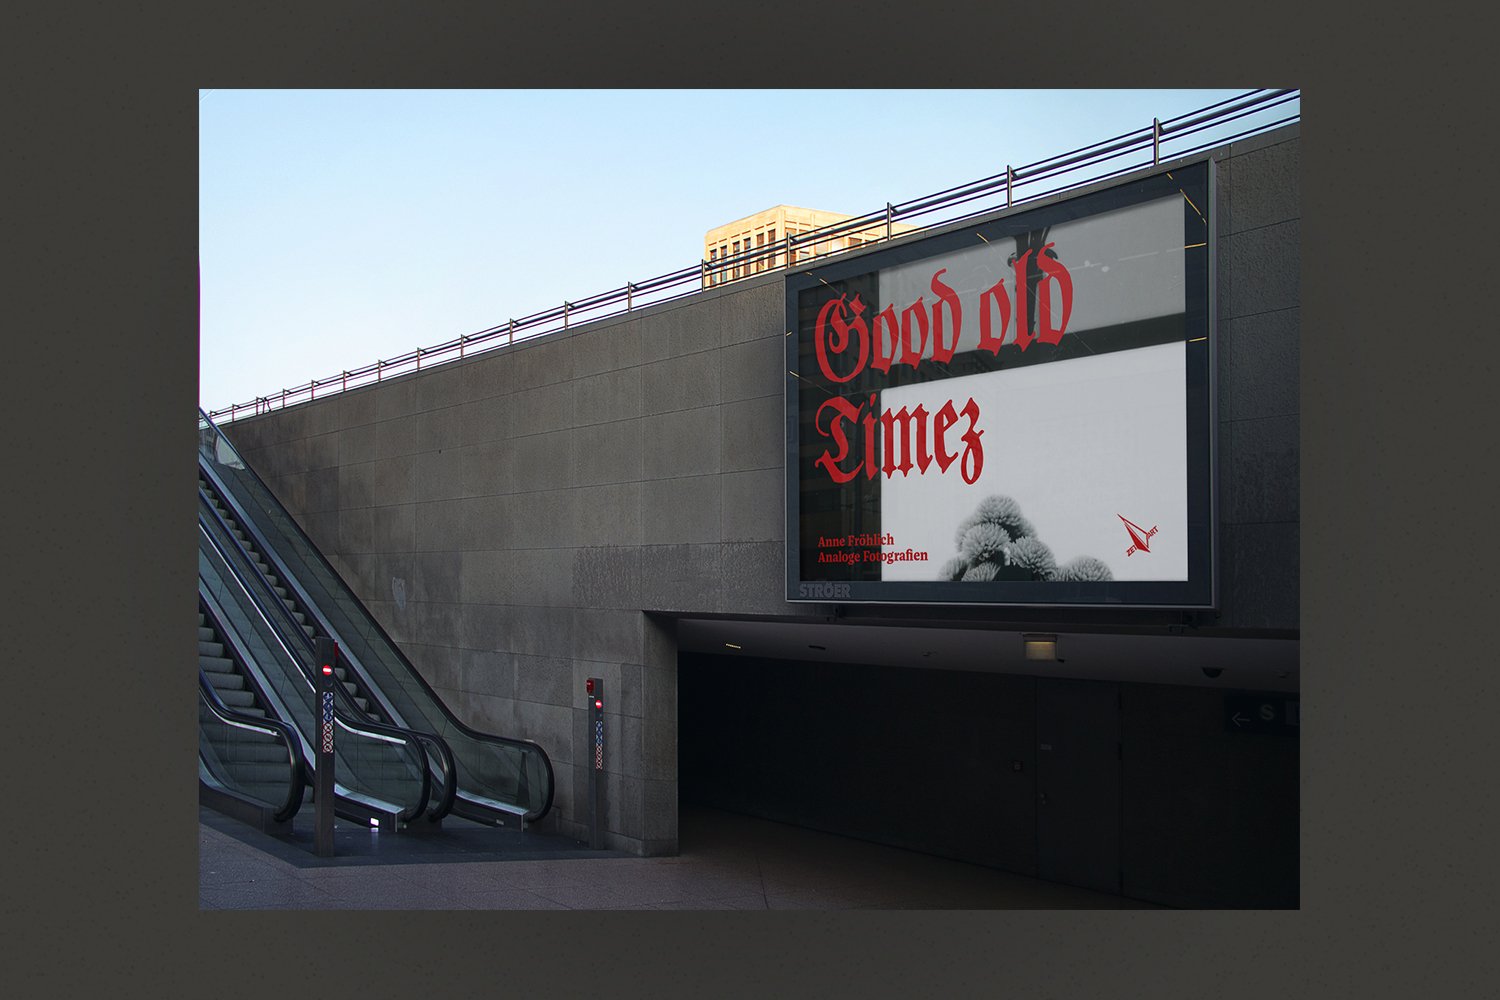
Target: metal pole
323,793
594,687
629,293
1156,142
1010,183
511,338
565,314
703,270
461,342
888,210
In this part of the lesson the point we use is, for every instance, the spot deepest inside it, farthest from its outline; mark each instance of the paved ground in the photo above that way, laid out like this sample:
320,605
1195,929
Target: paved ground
728,862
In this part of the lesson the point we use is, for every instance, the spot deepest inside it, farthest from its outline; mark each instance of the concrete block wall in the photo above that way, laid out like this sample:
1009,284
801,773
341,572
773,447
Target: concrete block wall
1259,203
510,518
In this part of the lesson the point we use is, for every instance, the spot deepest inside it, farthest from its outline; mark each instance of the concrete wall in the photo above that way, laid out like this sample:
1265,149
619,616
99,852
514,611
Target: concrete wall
508,518
1259,202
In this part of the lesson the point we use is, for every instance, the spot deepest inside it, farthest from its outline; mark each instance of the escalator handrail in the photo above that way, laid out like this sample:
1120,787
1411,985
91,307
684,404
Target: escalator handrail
345,711
411,669
290,628
297,767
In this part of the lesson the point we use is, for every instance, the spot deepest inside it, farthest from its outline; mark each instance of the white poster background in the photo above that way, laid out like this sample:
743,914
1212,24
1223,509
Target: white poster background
1077,444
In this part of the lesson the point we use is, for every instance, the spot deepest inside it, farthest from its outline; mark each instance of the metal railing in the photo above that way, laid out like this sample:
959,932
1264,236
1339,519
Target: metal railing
1214,125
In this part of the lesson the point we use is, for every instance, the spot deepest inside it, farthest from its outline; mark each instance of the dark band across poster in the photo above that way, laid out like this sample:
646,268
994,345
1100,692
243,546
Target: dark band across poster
1015,411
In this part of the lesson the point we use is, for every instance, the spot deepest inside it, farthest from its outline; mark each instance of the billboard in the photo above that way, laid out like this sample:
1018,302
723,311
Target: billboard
1014,411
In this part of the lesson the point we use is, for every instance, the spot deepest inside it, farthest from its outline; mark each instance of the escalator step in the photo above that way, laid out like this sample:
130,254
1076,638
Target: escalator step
206,634
216,664
223,681
207,647
237,699
309,630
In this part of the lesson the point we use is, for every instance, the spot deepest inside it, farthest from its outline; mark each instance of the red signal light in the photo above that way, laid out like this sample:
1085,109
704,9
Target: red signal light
598,703
588,686
327,669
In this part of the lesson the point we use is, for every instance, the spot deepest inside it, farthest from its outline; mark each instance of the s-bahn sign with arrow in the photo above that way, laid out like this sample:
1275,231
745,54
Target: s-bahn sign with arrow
1253,713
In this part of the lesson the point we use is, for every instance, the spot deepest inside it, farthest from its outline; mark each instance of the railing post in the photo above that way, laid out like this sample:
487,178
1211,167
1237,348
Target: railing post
419,359
344,385
629,295
1010,183
379,366
703,271
789,251
1156,142
511,337
312,392
888,211
565,314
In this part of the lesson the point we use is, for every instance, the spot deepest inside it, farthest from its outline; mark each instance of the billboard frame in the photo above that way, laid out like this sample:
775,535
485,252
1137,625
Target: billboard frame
1200,591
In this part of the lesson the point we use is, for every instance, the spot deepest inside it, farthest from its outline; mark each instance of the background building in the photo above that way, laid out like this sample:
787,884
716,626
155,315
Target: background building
770,229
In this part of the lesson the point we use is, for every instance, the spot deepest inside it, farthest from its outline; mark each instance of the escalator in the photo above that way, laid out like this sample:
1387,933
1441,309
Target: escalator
481,777
249,765
383,774
246,545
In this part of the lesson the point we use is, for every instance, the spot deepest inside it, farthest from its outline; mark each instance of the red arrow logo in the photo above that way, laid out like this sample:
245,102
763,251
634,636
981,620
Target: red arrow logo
1140,537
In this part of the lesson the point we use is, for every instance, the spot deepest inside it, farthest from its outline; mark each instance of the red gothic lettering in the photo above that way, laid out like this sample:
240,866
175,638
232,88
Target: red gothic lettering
912,355
973,462
833,310
882,358
1052,270
843,410
946,297
909,420
1023,303
946,418
1001,299
901,429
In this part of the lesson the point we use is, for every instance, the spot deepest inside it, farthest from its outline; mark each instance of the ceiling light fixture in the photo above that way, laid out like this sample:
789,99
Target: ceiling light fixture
1040,646
733,646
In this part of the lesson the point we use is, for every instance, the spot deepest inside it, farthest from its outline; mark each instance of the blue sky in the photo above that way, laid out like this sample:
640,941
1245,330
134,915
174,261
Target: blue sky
341,227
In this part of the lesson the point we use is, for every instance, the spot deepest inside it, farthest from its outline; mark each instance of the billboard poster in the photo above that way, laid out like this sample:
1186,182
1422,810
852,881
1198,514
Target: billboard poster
1013,411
